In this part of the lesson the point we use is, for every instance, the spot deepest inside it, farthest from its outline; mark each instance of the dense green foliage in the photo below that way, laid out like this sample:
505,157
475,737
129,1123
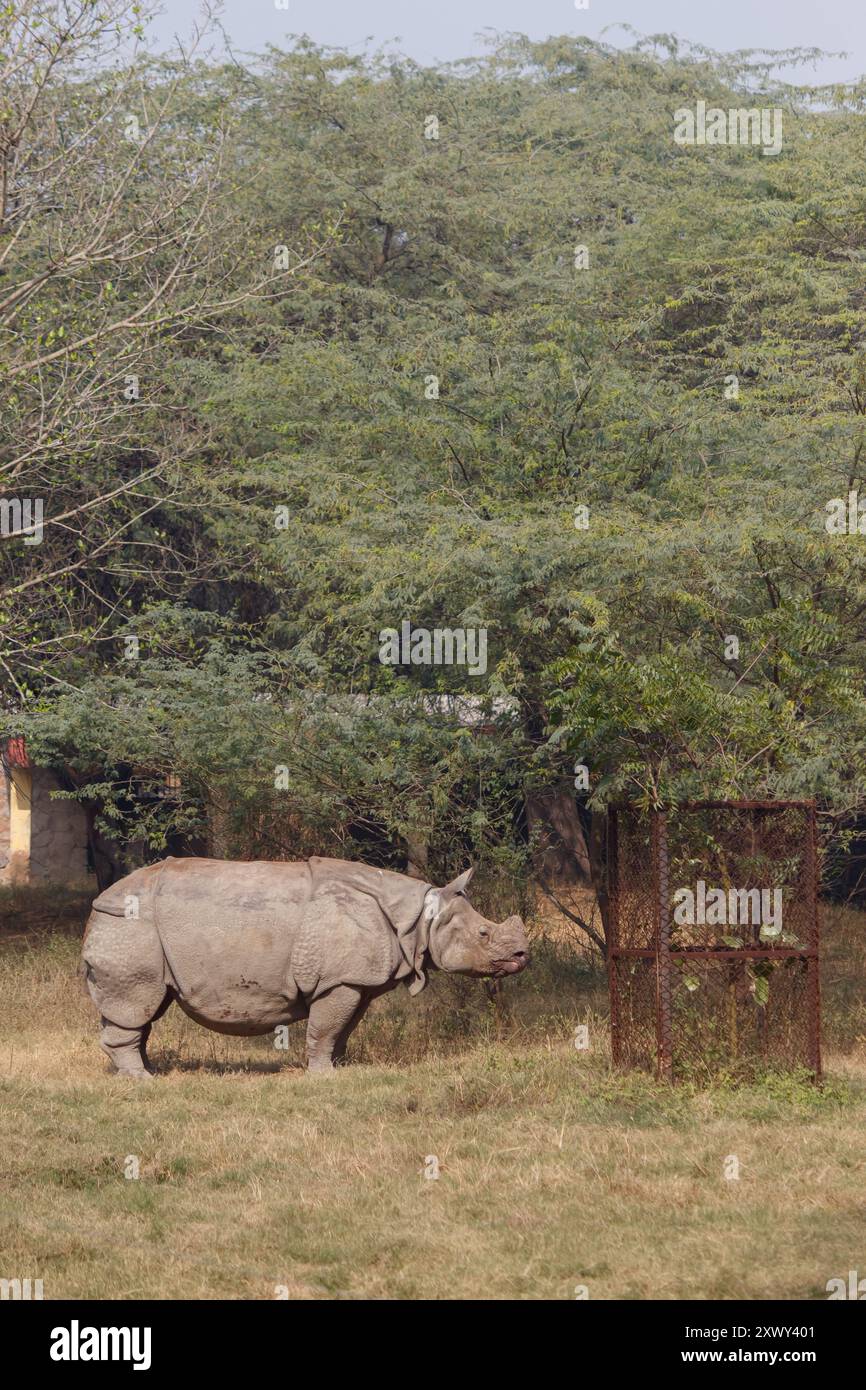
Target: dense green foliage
558,387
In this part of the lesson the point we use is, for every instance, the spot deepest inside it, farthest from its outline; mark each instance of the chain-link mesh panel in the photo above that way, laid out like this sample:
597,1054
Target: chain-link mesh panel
738,1017
749,870
713,951
633,1011
632,890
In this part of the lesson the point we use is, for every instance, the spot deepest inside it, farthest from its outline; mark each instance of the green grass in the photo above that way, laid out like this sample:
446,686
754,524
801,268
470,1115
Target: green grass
555,1171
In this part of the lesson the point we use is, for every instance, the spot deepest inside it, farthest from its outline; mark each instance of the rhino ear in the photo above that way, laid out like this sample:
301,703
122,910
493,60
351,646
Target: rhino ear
459,885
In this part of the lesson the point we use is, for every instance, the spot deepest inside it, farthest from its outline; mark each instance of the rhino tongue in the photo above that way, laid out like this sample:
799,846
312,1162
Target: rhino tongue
507,967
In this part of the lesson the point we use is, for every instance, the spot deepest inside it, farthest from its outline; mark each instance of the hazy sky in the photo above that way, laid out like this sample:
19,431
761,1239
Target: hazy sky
442,29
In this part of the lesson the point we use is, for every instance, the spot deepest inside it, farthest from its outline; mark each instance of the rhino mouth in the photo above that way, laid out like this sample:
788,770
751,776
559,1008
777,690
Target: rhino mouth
512,966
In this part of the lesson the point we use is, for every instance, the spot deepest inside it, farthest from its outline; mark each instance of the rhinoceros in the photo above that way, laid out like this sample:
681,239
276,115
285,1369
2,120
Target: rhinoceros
246,947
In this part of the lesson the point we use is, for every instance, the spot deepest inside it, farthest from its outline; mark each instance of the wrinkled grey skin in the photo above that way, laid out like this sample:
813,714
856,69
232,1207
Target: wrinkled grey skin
246,947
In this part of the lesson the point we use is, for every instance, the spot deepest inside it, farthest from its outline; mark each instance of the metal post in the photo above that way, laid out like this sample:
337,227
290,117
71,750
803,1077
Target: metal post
813,979
613,904
661,877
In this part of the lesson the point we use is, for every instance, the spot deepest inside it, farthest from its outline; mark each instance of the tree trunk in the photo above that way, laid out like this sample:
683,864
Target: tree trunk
561,854
597,840
417,857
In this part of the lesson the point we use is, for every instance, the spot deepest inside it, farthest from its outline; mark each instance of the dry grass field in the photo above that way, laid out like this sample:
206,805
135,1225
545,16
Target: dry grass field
554,1171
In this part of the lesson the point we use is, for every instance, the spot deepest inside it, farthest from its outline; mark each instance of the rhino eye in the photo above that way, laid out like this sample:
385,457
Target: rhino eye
483,933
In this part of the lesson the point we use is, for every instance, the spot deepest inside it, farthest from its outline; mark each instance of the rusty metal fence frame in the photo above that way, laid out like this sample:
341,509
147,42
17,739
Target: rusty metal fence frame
663,954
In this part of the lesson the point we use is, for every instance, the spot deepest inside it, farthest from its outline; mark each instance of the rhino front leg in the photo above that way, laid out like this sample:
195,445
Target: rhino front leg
331,1021
339,1053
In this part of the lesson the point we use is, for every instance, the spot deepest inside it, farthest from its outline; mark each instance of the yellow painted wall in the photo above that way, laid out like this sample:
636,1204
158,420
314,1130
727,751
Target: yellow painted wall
20,820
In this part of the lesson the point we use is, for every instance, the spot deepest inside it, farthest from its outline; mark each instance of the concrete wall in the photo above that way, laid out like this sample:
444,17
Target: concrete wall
4,824
58,835
41,840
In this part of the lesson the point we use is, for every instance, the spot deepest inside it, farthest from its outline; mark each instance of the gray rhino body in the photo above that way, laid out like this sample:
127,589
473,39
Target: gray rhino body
246,947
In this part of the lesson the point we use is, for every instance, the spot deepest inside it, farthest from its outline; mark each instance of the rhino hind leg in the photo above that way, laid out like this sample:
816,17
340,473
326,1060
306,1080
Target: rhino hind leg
331,1020
127,1047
